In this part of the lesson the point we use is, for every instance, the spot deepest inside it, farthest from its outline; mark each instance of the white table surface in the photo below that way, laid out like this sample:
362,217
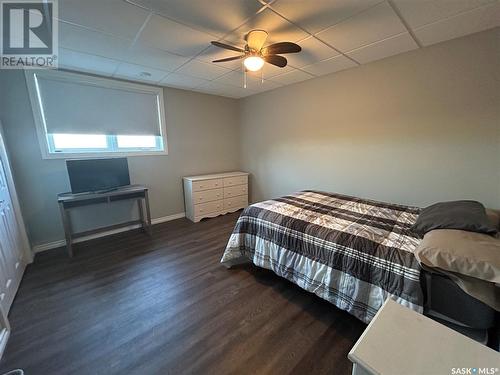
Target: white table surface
400,341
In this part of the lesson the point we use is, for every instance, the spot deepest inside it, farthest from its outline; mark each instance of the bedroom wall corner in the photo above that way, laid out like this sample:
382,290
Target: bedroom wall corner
415,128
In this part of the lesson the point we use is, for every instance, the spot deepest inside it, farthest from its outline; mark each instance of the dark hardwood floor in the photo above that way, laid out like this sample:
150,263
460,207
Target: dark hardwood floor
130,304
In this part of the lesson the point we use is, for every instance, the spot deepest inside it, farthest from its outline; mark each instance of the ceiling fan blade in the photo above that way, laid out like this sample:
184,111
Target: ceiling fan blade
256,39
229,59
276,60
227,46
281,48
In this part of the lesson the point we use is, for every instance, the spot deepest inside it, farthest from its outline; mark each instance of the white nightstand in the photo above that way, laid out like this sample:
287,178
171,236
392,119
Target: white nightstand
400,341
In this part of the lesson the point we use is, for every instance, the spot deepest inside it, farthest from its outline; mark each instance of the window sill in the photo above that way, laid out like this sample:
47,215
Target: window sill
93,155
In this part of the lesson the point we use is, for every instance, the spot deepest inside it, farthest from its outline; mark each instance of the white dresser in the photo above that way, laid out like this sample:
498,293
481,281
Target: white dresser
215,194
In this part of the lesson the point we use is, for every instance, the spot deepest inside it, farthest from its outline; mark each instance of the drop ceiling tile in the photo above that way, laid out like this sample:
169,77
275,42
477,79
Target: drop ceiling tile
279,29
465,23
236,78
135,72
419,13
317,15
385,48
269,71
313,51
264,88
292,77
331,65
215,53
217,18
224,90
256,92
92,42
174,37
199,69
83,62
372,25
259,86
155,58
207,89
237,93
183,81
111,16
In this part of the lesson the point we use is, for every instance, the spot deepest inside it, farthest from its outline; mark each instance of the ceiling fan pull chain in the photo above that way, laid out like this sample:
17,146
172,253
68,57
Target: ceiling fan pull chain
262,76
244,78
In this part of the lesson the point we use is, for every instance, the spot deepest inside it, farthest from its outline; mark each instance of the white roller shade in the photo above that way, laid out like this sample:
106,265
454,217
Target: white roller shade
82,108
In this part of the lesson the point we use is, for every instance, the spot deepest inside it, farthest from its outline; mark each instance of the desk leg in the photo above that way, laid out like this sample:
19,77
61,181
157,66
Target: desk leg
141,214
148,212
67,229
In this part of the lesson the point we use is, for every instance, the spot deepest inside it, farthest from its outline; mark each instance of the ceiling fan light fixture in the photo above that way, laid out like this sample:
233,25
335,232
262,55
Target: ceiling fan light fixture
253,63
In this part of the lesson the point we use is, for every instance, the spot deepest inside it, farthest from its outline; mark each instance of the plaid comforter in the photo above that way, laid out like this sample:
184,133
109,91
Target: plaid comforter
352,252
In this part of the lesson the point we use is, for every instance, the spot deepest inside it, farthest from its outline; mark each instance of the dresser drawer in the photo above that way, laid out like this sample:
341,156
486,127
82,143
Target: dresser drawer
207,208
207,184
234,191
235,203
238,180
205,196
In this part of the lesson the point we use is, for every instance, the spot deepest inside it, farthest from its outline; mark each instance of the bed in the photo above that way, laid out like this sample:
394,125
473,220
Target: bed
352,252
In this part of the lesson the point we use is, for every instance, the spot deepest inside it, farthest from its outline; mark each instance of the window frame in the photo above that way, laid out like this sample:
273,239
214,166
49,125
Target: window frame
111,147
44,138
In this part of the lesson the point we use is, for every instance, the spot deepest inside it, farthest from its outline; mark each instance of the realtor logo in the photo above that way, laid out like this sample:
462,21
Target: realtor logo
28,34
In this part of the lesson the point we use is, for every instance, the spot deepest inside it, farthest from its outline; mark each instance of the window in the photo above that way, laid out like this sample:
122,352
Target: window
136,141
83,116
95,143
77,142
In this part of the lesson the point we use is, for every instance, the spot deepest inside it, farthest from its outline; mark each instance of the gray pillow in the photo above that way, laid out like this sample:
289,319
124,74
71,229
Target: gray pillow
463,215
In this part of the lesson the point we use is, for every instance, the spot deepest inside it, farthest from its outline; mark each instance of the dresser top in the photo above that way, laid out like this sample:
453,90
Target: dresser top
215,175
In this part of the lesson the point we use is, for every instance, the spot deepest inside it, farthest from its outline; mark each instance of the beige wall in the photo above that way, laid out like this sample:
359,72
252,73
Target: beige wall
203,137
415,128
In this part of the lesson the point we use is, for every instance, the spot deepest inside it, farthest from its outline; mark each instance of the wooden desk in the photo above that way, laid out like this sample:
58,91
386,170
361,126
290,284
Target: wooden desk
400,341
68,201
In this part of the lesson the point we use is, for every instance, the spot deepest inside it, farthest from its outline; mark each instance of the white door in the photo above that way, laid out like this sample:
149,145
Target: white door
11,246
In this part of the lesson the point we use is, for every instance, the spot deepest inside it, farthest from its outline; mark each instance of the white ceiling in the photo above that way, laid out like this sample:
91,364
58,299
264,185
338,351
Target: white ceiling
167,42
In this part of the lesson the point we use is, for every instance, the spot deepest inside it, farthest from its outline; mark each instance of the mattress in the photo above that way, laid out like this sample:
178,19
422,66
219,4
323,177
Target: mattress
352,252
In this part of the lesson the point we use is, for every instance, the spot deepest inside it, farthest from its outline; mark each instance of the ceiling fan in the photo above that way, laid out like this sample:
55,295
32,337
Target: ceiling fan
255,54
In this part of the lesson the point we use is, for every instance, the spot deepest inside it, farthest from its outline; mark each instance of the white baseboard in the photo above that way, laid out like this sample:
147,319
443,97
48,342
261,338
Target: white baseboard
164,219
59,243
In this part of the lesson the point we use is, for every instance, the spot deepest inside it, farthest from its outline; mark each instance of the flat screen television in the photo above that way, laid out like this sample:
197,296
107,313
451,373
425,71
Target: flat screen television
91,175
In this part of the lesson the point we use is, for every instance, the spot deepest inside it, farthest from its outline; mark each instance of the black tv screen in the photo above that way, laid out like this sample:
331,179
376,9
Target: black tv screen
88,175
